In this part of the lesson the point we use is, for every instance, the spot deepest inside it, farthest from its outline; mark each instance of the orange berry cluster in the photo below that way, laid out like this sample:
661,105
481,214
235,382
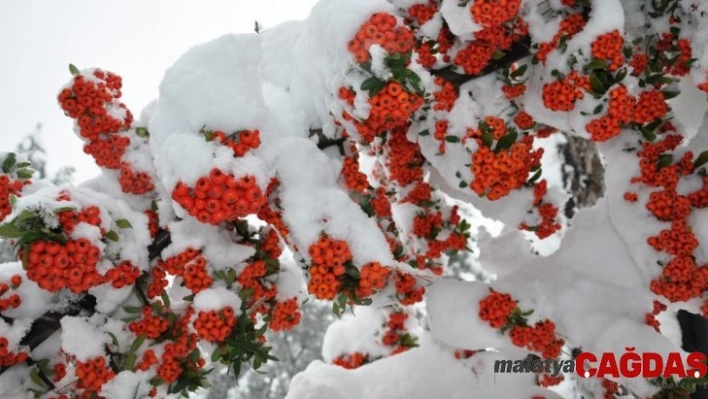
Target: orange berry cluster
422,12
524,121
406,289
620,112
133,182
220,197
548,225
152,324
153,222
59,372
426,224
680,65
109,151
651,317
70,218
404,159
497,173
444,99
390,108
495,309
667,205
124,274
699,198
353,361
513,91
608,47
14,300
240,142
91,375
8,187
540,338
174,357
639,63
54,266
561,94
373,278
395,333
354,180
158,282
285,315
149,359
8,358
253,277
380,29
191,266
329,259
650,107
494,12
477,54
92,99
381,203
547,380
214,326
571,25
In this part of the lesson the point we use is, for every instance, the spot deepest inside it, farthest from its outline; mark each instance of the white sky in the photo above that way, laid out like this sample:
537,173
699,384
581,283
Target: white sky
137,39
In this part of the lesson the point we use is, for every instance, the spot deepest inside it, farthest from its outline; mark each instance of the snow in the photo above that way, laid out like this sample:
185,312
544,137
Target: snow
216,299
81,337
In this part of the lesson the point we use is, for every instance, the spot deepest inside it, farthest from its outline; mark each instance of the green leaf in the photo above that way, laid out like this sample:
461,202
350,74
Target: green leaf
424,132
463,184
353,272
371,83
73,69
124,224
246,292
34,376
132,309
112,235
9,162
507,141
129,361
487,139
668,94
498,54
519,71
665,160
165,298
648,134
452,139
597,109
597,85
701,160
114,340
216,355
137,343
595,64
535,177
9,230
142,132
25,173
621,74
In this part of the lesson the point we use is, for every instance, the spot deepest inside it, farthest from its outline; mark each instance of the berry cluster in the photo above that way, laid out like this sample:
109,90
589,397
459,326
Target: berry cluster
380,30
540,338
54,266
408,291
8,358
220,197
8,187
489,12
329,266
608,47
561,94
495,308
651,317
215,326
422,12
239,142
152,324
254,278
11,301
352,361
190,265
396,335
547,212
91,99
285,316
373,278
571,24
91,375
498,172
133,182
354,180
390,108
621,110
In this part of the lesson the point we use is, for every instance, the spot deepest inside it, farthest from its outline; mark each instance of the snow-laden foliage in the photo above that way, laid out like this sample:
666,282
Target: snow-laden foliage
338,158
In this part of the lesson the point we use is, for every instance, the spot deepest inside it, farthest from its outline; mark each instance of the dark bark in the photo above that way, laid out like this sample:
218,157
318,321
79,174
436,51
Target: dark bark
585,177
